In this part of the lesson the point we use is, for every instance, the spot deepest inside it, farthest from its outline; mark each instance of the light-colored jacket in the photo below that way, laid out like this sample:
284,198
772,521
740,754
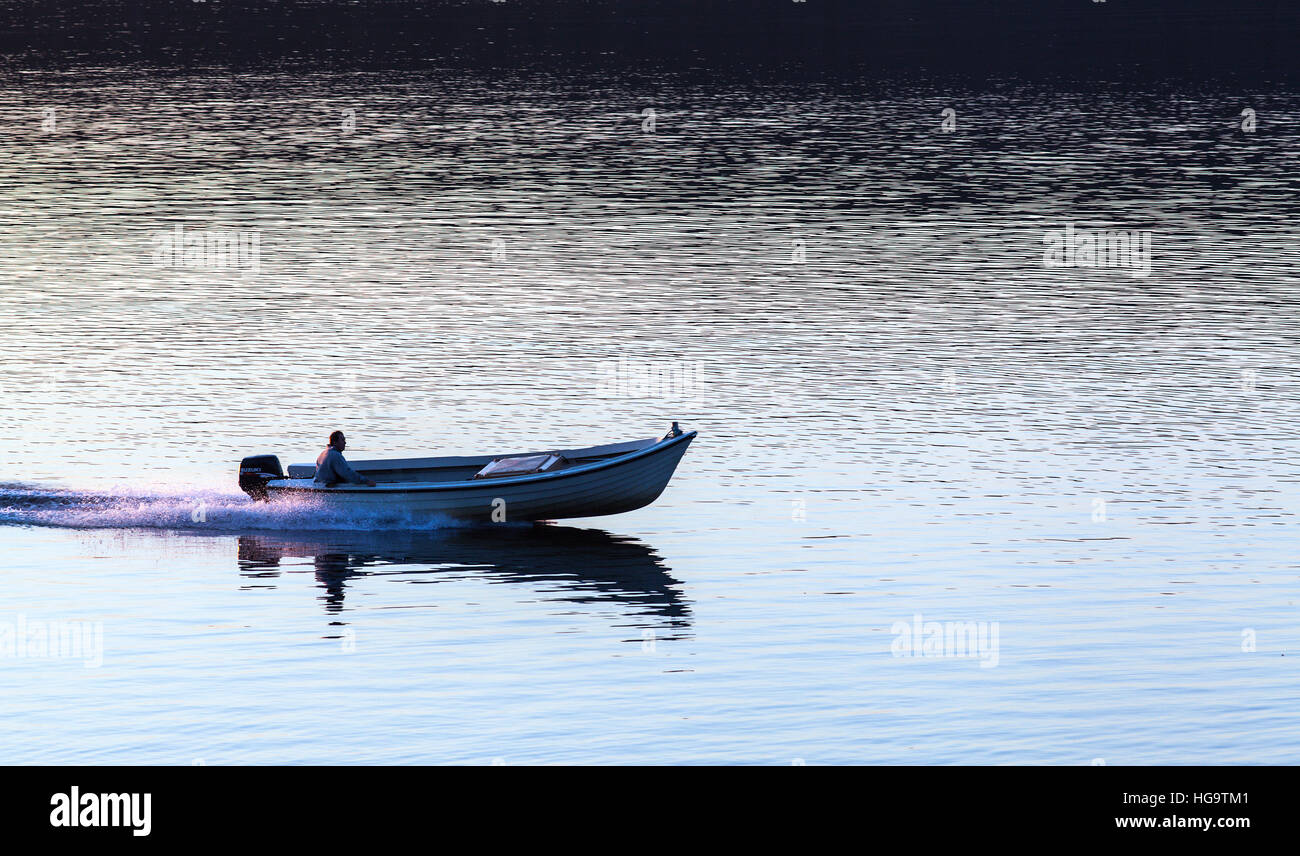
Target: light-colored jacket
332,469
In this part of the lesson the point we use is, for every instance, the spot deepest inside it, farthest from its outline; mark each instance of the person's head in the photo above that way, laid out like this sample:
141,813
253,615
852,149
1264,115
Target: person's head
338,441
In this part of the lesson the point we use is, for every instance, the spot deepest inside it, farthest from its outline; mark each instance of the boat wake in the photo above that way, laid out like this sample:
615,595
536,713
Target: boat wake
193,510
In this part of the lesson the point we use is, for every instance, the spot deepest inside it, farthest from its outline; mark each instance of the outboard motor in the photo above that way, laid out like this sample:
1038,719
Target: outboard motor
256,471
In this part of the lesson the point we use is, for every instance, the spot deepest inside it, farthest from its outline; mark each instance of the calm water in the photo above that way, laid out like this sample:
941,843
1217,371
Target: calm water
902,412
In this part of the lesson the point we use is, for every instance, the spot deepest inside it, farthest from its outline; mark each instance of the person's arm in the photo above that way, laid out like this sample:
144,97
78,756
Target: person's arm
346,473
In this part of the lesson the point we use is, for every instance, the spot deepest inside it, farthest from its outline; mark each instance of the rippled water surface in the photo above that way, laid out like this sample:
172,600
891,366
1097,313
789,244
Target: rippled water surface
902,411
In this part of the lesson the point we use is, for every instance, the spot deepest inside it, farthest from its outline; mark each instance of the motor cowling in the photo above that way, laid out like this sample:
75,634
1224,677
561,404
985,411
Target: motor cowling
256,471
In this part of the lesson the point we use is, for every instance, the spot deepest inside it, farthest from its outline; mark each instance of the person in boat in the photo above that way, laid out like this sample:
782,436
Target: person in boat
331,468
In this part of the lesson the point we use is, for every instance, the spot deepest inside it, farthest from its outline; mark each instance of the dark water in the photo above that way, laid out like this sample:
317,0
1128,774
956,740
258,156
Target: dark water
902,411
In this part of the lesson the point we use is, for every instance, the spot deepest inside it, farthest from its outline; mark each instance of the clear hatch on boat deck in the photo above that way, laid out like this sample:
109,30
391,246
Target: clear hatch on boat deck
522,466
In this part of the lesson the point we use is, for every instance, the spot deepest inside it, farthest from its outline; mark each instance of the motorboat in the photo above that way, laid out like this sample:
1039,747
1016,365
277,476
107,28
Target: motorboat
551,484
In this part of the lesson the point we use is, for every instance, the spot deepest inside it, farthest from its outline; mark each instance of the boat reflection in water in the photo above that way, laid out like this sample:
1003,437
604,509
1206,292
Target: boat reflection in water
580,565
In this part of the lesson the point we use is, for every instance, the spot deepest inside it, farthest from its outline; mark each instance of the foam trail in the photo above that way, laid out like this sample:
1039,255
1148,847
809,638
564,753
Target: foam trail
193,509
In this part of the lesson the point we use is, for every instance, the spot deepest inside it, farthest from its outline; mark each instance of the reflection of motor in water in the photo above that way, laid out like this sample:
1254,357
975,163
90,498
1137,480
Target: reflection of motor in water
588,565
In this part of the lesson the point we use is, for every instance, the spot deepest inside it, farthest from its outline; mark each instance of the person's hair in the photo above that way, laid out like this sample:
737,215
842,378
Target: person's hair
335,437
